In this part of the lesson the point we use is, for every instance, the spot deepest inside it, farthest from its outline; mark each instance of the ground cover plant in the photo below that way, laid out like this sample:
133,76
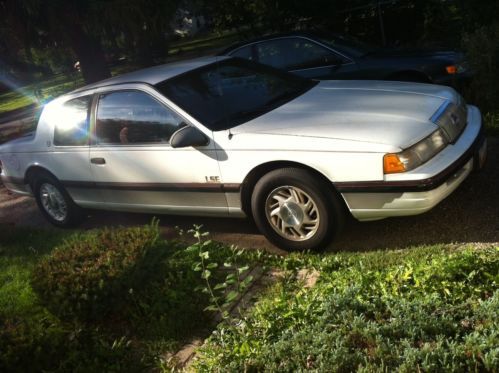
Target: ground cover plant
429,309
136,297
106,300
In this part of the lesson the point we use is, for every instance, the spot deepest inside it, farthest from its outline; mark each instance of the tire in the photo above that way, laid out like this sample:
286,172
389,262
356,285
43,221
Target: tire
295,210
55,203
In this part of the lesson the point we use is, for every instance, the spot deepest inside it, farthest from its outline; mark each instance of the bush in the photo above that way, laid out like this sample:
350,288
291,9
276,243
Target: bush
482,50
91,274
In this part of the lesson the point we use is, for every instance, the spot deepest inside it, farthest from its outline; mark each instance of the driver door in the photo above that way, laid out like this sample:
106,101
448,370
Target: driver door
134,165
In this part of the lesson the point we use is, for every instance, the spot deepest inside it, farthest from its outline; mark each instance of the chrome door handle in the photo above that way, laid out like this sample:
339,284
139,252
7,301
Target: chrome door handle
98,160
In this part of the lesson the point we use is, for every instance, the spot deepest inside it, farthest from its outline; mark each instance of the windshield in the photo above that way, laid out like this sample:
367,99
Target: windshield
225,94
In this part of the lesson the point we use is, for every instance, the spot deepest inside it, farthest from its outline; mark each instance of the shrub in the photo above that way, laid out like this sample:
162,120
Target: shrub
91,274
482,50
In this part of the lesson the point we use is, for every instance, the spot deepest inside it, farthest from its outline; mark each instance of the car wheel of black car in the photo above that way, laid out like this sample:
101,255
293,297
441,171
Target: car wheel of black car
55,203
296,210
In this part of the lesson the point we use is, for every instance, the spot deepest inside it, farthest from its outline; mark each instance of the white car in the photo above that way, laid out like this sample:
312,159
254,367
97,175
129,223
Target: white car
221,136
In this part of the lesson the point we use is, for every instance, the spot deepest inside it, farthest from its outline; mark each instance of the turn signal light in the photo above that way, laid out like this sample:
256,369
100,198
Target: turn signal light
451,69
392,164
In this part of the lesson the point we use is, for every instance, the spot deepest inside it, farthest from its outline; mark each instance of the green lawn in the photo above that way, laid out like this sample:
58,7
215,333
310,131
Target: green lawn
96,301
63,83
47,89
146,311
429,309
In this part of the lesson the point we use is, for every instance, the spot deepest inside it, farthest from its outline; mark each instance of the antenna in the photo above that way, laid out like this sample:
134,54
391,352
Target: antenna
230,134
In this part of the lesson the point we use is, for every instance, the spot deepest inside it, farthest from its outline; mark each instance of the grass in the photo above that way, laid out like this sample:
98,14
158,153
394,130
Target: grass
491,123
62,83
418,309
209,43
432,308
154,316
49,88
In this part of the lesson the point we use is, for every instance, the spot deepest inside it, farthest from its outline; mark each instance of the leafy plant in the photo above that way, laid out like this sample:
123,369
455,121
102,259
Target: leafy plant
90,274
482,52
432,309
222,292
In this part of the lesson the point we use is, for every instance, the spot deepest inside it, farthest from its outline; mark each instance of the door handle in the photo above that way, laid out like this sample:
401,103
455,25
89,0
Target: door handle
98,160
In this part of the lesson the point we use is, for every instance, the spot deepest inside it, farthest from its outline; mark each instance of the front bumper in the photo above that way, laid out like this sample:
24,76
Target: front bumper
419,191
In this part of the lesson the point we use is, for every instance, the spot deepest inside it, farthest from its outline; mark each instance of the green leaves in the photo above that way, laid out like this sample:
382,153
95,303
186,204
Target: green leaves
222,292
206,274
432,308
90,274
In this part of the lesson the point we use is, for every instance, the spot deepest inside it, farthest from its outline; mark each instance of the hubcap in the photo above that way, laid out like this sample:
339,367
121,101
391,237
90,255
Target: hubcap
292,213
53,202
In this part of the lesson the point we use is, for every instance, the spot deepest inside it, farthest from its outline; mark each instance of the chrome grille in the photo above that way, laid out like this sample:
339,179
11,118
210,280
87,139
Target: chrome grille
452,119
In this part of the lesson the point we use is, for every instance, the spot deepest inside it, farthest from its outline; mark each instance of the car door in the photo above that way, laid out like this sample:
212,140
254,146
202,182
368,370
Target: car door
69,160
134,165
305,57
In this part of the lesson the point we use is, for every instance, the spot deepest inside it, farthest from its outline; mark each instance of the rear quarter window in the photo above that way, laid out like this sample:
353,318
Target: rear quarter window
73,122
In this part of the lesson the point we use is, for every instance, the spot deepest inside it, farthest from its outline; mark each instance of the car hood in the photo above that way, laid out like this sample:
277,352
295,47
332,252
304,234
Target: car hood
391,113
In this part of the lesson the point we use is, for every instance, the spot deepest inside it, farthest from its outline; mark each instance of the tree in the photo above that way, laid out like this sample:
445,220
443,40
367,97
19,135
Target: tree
86,27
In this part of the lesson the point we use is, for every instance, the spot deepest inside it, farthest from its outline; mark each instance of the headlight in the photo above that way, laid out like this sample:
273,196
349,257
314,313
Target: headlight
451,118
416,155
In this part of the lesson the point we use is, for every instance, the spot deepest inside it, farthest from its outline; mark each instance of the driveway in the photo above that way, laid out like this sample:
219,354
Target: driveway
469,215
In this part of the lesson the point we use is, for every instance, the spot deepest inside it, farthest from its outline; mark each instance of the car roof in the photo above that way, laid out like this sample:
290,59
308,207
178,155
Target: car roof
154,75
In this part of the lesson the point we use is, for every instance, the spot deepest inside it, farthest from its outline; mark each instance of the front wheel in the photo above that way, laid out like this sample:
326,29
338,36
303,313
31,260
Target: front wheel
295,210
55,203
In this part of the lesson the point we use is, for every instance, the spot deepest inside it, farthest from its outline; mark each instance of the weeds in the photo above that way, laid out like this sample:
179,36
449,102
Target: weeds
430,308
222,293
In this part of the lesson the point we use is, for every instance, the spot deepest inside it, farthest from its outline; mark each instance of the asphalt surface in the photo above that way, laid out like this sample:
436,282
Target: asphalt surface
469,215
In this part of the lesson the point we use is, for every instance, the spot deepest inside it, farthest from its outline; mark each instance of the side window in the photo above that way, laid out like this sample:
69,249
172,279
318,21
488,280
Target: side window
134,117
274,52
73,123
295,54
305,54
244,52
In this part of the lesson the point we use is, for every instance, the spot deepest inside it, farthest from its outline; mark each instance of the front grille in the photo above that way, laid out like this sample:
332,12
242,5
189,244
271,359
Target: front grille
453,119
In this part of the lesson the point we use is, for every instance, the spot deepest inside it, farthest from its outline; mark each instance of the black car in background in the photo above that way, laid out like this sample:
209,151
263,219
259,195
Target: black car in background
339,57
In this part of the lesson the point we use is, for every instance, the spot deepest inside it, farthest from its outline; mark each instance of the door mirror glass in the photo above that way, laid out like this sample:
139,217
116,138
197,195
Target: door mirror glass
188,136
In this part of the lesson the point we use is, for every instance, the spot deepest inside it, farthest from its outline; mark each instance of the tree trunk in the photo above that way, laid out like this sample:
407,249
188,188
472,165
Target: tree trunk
89,52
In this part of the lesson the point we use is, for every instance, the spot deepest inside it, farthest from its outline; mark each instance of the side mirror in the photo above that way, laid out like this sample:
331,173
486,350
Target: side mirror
188,136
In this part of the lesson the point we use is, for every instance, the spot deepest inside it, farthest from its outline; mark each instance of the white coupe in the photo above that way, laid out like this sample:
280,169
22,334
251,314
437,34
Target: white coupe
222,136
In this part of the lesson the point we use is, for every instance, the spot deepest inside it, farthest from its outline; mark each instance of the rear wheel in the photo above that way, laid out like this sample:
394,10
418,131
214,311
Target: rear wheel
296,210
55,203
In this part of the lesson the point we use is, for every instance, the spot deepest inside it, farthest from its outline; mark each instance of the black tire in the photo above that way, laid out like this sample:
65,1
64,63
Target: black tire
74,214
327,209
